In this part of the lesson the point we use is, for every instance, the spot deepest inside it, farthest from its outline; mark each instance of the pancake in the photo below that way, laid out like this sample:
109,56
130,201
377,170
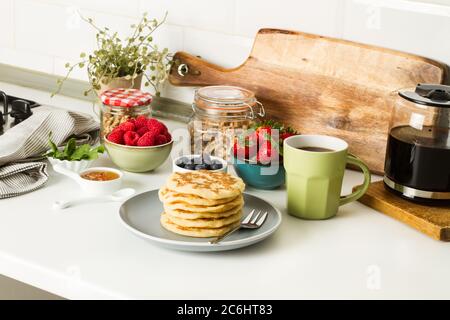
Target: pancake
209,223
195,232
206,184
224,207
170,196
201,215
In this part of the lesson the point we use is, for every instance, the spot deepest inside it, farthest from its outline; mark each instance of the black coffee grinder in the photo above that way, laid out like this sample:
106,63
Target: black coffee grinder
417,163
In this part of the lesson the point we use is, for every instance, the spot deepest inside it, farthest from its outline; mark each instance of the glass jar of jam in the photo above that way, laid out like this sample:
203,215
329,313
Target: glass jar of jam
120,105
219,114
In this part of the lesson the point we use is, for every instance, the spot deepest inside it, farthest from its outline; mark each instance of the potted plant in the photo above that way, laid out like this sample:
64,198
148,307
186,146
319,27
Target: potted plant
118,63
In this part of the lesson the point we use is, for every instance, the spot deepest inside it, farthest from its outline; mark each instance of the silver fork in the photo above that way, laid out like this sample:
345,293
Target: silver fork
252,221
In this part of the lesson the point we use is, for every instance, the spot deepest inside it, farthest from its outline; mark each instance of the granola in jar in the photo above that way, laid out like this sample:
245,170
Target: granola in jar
221,113
120,105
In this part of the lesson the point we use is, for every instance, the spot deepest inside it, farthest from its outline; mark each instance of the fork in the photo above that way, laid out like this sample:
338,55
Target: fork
252,221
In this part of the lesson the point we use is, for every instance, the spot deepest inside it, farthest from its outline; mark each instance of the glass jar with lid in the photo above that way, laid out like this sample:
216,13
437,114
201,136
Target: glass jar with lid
219,114
120,105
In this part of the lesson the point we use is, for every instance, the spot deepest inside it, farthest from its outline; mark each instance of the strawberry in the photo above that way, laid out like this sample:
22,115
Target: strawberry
266,153
141,121
238,150
130,138
142,130
245,147
147,140
286,135
116,136
263,133
127,126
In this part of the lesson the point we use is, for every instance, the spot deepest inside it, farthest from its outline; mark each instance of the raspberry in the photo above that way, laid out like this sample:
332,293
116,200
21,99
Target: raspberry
140,122
127,126
156,126
161,139
116,136
147,140
141,131
168,136
130,138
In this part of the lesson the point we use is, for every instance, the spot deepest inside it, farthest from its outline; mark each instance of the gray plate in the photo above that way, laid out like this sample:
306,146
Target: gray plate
141,214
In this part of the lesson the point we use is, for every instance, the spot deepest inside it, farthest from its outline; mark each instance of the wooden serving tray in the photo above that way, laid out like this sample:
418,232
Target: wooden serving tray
433,221
320,85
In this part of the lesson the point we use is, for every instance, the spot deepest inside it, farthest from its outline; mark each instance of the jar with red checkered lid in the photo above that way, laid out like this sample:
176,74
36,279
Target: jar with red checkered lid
120,105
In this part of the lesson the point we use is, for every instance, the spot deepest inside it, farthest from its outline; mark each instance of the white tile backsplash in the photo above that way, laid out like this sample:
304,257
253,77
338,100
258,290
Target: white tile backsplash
169,36
226,50
6,23
26,59
319,16
61,70
50,29
404,26
45,34
214,15
128,8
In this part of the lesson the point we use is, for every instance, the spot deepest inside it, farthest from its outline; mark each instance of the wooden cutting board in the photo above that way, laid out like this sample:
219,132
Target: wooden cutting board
433,221
320,85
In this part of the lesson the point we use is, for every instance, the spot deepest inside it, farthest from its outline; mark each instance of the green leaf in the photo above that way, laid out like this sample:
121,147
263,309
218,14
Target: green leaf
80,152
82,55
51,143
70,147
93,154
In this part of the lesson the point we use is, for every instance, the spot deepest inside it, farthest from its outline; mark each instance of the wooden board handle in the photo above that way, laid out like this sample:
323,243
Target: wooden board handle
189,70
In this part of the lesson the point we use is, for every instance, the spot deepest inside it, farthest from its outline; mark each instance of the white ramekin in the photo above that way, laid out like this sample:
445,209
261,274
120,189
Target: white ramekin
75,166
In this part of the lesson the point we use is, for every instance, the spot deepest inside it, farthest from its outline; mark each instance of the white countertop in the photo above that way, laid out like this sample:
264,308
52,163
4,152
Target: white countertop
84,252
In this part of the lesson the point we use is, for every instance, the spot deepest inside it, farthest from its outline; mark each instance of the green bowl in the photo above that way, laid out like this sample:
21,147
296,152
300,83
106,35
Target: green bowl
138,159
253,174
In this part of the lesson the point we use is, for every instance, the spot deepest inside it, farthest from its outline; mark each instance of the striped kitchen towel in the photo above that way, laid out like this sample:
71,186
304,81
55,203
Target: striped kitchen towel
22,167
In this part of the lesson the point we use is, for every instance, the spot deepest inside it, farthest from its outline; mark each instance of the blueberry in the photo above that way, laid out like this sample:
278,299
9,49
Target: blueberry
207,158
189,166
216,166
182,160
201,167
196,160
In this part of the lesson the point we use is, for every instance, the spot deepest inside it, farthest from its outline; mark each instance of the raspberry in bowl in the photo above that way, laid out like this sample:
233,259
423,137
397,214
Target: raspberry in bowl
139,145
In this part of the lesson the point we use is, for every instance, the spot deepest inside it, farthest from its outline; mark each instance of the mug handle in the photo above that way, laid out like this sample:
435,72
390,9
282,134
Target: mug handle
360,190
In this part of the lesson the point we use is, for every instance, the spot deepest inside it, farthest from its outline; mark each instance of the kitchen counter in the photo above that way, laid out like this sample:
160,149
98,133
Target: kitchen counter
85,253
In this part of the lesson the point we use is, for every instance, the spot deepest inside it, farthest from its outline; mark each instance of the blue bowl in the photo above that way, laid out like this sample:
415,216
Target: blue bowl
254,174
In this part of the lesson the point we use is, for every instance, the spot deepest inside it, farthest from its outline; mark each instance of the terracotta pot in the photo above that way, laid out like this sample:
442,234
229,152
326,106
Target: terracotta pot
120,83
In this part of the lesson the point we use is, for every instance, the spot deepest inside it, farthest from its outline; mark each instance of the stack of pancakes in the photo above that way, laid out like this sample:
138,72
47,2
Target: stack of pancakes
202,203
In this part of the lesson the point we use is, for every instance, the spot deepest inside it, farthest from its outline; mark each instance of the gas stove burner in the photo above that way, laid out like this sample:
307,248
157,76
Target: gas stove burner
15,110
20,110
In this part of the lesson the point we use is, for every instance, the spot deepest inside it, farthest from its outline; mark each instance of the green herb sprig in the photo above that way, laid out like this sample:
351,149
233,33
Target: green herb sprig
72,152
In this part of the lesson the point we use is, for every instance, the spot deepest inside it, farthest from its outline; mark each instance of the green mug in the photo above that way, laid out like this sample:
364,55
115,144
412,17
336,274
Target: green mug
315,167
